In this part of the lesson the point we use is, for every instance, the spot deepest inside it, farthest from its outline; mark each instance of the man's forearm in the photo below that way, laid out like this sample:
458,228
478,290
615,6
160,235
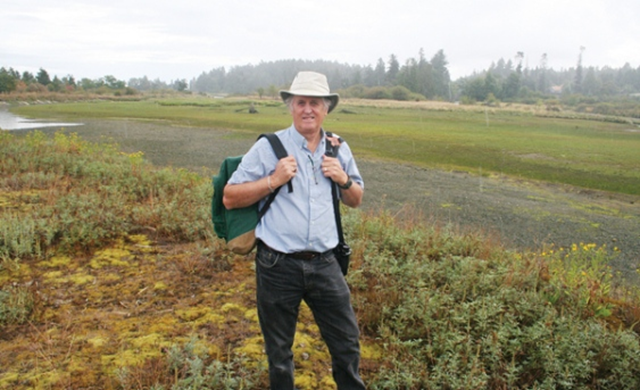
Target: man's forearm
245,194
353,196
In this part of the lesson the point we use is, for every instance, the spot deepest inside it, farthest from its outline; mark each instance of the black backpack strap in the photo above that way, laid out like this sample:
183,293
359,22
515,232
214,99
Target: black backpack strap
332,151
278,149
276,144
280,152
342,248
336,211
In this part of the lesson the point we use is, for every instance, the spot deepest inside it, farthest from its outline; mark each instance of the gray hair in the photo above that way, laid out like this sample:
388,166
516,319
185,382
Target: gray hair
289,100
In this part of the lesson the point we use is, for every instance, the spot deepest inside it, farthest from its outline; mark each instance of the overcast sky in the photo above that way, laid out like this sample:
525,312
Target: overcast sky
180,39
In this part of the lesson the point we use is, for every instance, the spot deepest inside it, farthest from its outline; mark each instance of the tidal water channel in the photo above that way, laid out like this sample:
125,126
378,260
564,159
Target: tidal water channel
10,121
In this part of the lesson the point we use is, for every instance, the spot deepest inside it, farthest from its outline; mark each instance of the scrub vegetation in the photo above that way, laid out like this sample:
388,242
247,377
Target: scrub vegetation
110,276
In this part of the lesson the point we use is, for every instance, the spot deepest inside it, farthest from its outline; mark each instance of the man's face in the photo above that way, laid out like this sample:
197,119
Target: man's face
308,113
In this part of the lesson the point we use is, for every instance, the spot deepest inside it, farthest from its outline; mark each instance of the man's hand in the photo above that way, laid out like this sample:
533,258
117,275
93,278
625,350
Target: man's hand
286,169
332,169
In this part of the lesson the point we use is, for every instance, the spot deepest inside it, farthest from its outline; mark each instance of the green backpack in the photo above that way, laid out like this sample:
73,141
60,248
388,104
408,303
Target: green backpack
237,226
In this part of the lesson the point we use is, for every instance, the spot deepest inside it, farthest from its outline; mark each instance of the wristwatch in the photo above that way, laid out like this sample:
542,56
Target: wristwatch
346,185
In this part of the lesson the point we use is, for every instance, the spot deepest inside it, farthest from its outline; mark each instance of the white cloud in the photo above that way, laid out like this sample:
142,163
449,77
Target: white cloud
169,39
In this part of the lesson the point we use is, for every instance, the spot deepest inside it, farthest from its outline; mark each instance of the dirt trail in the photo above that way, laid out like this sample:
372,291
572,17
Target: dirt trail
523,214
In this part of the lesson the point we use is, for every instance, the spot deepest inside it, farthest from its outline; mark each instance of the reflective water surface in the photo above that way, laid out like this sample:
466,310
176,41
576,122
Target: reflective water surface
9,121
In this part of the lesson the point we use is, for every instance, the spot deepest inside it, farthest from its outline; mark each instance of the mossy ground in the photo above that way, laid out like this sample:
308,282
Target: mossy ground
124,307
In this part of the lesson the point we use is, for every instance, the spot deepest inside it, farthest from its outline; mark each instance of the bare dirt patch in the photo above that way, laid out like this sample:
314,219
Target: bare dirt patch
522,214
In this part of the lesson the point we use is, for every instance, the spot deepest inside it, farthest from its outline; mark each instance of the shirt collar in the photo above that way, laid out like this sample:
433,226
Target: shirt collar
299,140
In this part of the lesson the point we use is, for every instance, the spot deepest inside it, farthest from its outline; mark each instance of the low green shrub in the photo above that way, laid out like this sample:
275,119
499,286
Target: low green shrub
63,193
190,367
16,305
453,315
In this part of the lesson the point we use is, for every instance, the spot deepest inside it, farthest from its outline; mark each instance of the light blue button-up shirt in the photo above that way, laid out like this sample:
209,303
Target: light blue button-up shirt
302,220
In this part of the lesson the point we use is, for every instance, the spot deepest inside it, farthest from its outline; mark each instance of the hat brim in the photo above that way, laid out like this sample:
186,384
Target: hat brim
333,97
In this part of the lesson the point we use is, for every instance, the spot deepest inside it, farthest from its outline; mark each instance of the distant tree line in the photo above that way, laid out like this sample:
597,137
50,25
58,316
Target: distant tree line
144,84
12,80
419,78
509,81
416,79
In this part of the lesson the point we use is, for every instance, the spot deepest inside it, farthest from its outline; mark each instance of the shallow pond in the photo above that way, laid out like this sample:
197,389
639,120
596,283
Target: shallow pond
10,121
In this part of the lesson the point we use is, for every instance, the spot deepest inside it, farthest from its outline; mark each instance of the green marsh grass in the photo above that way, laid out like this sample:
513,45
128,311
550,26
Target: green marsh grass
595,154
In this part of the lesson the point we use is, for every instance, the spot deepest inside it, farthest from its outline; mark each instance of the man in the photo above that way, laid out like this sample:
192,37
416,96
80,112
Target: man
298,233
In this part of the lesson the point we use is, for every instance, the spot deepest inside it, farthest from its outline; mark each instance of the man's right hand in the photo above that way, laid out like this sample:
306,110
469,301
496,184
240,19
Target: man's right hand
286,169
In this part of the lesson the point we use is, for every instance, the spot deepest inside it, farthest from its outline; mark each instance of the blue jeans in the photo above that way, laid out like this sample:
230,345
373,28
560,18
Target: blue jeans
282,283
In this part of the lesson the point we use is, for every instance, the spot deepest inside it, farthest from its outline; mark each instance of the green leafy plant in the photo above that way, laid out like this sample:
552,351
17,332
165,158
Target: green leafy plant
16,305
82,196
454,315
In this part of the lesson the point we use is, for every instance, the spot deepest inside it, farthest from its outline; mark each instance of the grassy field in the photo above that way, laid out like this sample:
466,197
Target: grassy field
588,151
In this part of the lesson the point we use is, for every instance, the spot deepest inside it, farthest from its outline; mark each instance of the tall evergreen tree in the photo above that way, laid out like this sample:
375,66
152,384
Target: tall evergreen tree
577,84
379,73
394,69
7,81
43,77
441,77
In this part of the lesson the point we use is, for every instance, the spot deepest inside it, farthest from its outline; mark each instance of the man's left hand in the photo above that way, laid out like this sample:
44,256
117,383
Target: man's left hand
332,169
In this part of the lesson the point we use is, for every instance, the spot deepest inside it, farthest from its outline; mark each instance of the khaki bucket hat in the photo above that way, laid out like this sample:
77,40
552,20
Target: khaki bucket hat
311,84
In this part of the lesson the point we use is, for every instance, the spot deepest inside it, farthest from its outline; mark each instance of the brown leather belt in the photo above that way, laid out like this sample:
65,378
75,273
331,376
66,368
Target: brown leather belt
306,255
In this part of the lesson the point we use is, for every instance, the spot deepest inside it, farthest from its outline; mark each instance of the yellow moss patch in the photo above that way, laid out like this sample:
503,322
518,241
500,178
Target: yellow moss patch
200,315
214,351
164,324
141,242
56,261
58,277
229,307
80,279
110,278
305,380
308,351
97,341
253,349
54,277
115,257
371,351
9,379
78,366
327,382
141,349
150,340
192,313
211,318
35,380
251,315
